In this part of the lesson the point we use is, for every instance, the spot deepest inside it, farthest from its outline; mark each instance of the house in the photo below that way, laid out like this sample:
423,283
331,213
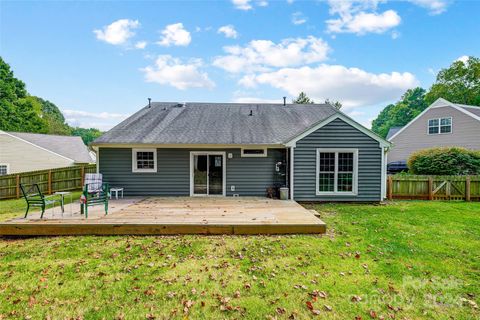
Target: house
229,149
442,124
20,152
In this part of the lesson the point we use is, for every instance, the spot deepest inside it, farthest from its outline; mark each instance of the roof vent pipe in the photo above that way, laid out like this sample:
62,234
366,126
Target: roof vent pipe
149,102
284,101
251,113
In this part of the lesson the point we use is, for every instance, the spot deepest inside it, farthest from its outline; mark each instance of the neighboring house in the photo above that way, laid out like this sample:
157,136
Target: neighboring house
20,152
228,149
442,124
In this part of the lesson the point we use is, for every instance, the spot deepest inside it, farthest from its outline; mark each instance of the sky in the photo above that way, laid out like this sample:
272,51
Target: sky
100,61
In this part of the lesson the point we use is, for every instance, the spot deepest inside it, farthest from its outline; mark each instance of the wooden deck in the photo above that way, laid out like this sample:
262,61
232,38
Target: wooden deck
176,215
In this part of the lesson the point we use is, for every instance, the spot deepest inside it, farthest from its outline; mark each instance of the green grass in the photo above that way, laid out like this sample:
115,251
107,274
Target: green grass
10,209
406,260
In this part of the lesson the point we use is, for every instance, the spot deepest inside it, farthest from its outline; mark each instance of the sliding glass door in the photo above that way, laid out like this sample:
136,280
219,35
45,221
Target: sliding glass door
207,173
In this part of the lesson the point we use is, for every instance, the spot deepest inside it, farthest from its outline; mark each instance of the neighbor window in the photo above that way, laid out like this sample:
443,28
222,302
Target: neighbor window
3,169
144,160
254,152
440,125
336,171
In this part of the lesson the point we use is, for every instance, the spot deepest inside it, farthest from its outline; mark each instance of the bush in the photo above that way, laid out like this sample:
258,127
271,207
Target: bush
445,161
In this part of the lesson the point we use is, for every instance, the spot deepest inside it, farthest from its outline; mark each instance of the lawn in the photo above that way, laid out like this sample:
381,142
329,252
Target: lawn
16,208
404,260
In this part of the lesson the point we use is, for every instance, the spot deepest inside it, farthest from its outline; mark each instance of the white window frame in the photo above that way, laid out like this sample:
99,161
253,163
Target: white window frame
134,161
440,126
8,167
354,191
246,155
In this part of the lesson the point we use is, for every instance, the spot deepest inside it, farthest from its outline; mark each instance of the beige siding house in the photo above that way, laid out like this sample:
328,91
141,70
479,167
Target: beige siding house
20,152
442,124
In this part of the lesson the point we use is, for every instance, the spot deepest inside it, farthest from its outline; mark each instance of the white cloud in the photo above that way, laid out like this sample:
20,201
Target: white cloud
117,32
229,31
360,17
175,34
141,44
85,119
433,6
171,71
248,4
298,18
464,59
242,4
260,55
262,3
353,87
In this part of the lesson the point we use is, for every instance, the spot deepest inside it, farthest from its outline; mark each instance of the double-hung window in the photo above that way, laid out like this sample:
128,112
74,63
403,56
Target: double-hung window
3,169
144,160
337,171
440,125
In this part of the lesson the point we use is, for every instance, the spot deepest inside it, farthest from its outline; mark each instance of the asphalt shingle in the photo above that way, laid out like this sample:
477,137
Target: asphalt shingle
217,123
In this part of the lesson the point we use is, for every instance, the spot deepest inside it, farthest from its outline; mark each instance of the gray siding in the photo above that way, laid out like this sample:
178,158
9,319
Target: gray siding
338,134
250,176
465,133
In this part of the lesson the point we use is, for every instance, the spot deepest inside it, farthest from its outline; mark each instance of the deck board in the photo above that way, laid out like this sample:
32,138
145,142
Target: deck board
177,215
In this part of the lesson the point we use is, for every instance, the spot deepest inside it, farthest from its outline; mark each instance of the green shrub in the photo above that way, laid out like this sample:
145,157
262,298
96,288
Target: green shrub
445,161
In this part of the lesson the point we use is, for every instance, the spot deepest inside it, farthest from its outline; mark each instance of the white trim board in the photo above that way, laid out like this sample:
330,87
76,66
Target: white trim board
348,120
134,161
33,144
440,102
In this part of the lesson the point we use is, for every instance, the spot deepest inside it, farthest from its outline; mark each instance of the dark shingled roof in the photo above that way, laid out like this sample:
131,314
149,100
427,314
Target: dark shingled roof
217,123
67,146
392,131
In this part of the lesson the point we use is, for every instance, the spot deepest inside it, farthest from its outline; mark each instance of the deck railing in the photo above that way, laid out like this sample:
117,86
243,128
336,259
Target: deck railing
433,187
49,181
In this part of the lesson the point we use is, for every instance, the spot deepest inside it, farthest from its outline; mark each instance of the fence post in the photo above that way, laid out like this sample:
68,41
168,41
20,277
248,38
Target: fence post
467,188
18,186
430,188
49,181
390,187
82,177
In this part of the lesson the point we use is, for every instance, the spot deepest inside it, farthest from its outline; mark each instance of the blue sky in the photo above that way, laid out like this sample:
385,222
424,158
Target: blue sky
99,61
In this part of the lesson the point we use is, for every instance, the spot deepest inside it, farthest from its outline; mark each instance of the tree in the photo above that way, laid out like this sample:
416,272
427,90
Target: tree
53,117
302,99
399,114
459,83
336,104
87,135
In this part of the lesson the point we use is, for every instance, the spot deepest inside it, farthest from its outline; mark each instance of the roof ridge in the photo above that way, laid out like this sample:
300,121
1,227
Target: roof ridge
44,134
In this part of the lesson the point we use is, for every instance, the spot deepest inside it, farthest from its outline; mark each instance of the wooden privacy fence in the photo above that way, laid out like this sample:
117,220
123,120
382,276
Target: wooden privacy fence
434,187
49,181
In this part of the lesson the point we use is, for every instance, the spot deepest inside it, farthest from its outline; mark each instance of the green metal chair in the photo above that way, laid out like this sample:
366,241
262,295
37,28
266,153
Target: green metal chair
35,198
94,195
